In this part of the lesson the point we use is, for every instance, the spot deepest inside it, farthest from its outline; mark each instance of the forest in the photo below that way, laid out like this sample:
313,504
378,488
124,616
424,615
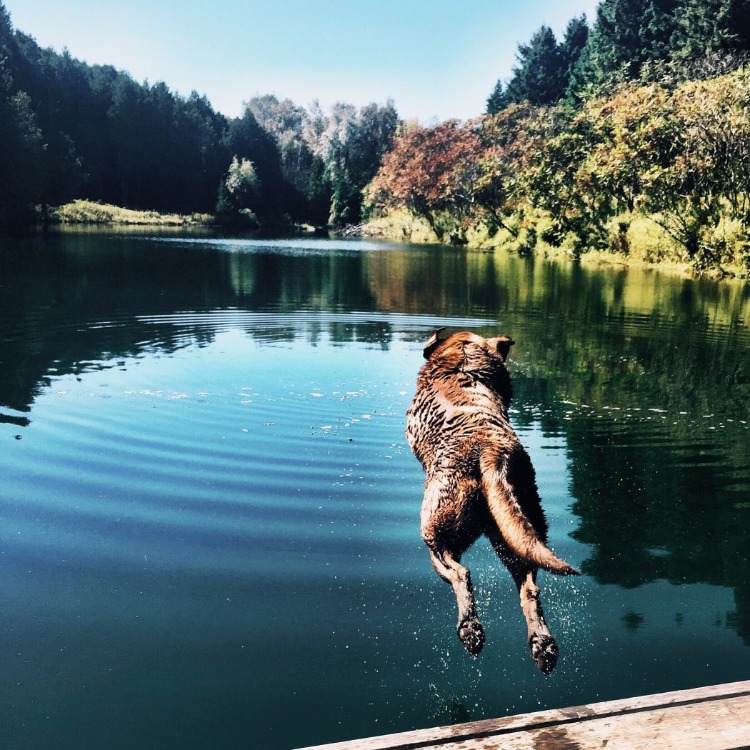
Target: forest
70,130
628,135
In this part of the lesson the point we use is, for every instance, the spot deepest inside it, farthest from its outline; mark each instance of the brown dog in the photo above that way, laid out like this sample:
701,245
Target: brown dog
479,480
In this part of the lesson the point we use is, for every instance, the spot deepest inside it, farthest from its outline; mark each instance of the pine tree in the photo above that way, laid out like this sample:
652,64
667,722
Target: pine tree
496,101
544,68
573,43
21,146
710,26
539,77
627,34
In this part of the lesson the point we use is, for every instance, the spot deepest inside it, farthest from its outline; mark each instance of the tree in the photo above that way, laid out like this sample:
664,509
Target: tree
249,141
21,146
497,100
539,77
21,177
354,155
706,26
574,41
429,171
627,34
107,137
240,191
544,68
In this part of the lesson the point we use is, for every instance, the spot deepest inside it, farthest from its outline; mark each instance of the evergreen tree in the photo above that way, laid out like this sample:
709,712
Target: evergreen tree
496,101
249,141
539,77
573,43
21,146
710,26
544,68
627,34
354,155
71,130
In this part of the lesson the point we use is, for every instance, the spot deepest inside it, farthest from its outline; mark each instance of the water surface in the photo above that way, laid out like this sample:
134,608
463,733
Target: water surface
209,517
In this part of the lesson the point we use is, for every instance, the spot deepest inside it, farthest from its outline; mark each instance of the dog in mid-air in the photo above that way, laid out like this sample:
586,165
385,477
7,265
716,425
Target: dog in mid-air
479,480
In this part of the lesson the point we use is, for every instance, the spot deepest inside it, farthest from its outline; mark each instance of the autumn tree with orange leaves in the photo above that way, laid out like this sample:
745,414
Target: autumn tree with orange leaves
430,171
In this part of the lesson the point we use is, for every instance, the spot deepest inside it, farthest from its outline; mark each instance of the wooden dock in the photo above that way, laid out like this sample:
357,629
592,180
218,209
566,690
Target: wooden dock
708,718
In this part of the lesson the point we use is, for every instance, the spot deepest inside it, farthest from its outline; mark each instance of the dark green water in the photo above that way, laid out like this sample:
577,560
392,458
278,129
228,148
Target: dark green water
209,528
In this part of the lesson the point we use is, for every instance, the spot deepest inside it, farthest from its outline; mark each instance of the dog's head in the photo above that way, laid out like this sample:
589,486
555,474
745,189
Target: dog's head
476,350
482,358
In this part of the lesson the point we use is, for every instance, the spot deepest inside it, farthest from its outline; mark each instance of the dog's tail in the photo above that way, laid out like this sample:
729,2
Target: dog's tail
516,529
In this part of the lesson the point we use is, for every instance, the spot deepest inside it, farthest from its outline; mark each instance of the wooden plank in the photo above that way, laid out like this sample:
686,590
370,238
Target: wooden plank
716,717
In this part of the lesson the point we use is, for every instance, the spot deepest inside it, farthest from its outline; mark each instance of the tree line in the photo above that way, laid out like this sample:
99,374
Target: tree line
70,130
630,40
635,132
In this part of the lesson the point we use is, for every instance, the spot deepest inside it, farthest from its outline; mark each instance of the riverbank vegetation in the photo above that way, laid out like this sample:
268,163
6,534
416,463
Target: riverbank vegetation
654,171
90,212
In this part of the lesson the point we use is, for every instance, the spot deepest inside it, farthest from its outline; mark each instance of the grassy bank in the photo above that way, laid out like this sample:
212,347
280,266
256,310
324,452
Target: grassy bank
633,239
90,212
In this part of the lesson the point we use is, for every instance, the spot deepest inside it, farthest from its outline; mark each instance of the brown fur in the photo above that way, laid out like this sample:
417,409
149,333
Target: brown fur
479,480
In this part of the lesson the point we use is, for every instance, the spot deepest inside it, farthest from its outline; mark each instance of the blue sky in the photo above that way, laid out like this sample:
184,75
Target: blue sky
435,58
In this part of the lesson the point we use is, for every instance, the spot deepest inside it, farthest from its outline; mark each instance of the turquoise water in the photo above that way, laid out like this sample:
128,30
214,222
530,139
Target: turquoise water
209,516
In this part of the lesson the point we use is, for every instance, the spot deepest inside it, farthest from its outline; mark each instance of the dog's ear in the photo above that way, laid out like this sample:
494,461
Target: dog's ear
503,346
432,342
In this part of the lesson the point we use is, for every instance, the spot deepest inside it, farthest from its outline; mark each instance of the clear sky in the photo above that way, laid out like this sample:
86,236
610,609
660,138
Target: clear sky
435,58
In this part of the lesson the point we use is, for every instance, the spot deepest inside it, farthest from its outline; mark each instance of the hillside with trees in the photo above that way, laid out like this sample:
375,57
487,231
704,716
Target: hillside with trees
630,137
71,130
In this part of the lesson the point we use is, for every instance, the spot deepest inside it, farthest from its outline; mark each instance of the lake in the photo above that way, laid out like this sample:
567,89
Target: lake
209,516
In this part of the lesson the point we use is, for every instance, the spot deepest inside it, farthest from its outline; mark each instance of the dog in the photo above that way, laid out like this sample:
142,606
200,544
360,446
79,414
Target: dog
479,480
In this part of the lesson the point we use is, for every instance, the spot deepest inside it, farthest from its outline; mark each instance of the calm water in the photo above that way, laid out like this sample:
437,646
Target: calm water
209,526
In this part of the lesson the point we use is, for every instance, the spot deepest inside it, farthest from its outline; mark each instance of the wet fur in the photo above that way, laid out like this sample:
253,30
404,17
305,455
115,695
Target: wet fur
479,480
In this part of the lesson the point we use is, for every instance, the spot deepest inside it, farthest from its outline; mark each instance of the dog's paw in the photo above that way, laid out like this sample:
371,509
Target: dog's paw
471,633
544,652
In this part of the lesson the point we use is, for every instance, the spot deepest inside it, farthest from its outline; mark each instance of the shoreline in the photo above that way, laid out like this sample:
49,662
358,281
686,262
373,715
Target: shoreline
398,226
402,227
82,214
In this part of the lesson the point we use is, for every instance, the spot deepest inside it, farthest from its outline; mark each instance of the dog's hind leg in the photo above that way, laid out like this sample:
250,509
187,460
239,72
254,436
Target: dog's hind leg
541,643
448,528
470,630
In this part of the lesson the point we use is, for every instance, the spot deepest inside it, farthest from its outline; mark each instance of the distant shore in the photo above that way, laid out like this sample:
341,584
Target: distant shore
86,212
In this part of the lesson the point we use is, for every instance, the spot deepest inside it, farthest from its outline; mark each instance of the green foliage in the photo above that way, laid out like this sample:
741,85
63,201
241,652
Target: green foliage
22,150
630,40
354,154
326,158
306,186
249,142
496,100
705,26
111,138
573,43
